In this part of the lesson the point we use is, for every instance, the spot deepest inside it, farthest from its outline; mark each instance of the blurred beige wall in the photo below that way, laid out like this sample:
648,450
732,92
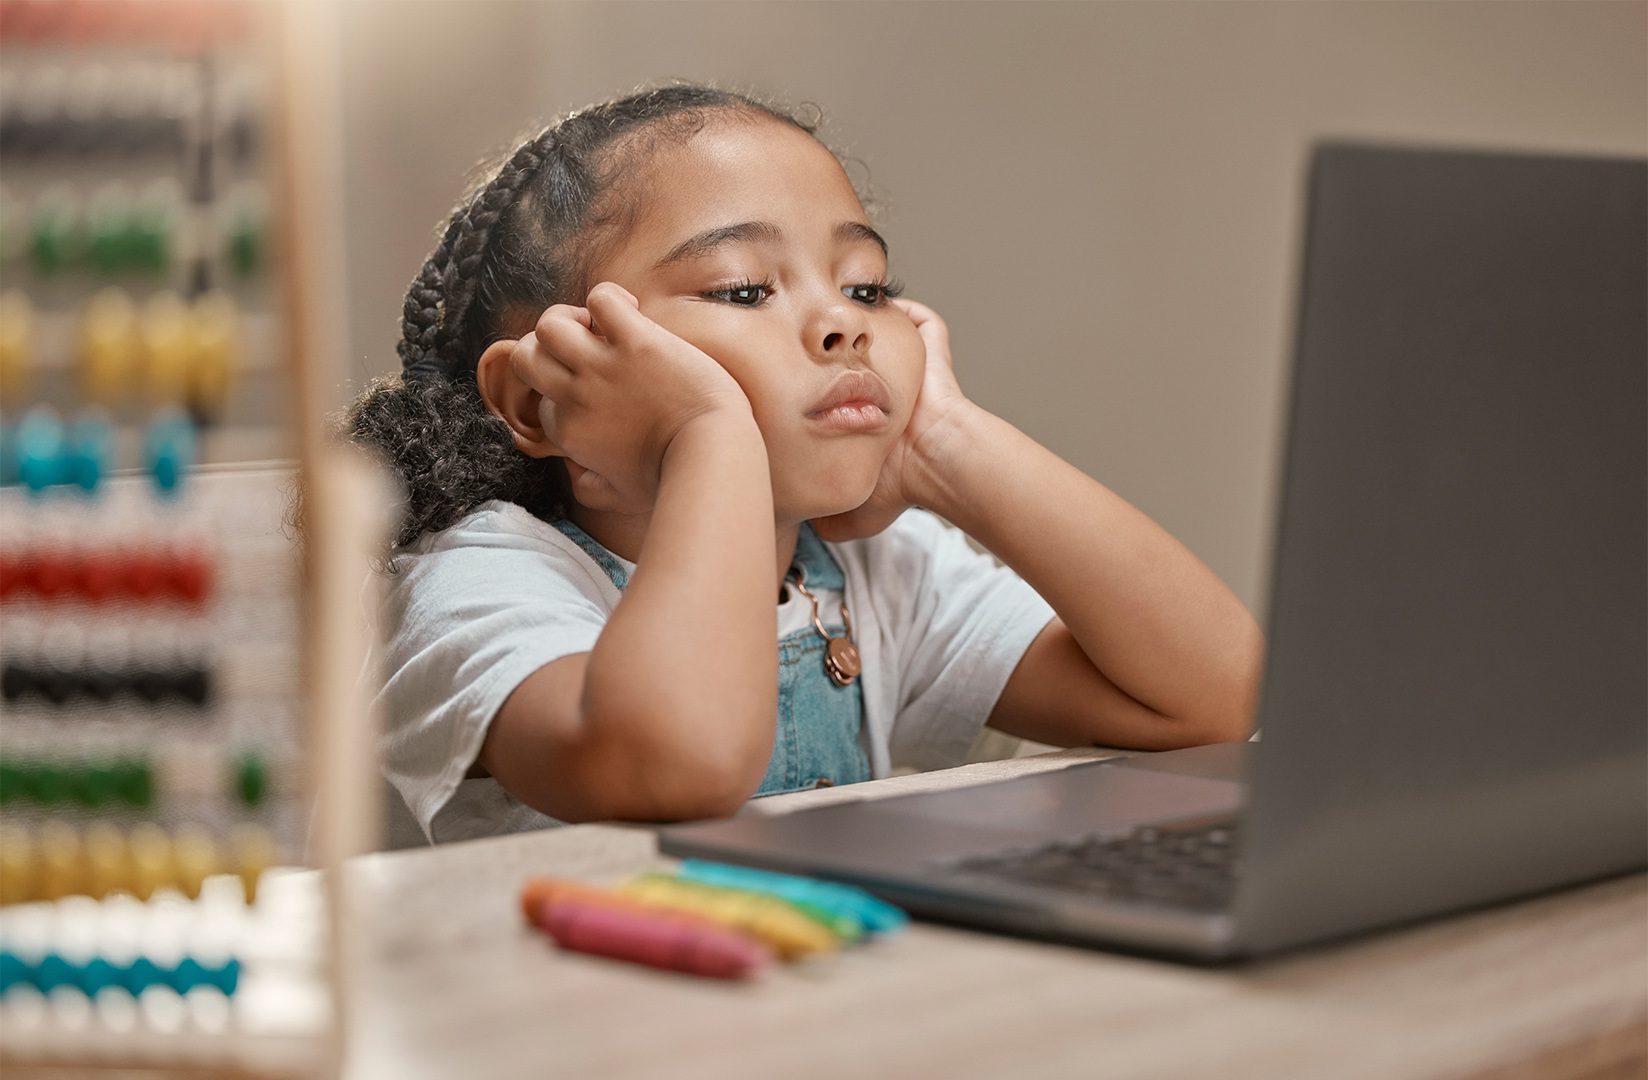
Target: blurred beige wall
1102,199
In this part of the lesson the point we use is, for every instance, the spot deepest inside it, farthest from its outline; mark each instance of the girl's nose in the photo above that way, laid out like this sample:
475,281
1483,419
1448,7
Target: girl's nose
840,329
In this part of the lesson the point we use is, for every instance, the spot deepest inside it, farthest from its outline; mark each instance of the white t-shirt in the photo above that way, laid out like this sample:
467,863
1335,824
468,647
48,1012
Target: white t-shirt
476,608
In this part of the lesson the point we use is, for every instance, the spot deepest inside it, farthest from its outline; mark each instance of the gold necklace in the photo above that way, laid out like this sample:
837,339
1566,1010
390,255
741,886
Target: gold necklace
840,654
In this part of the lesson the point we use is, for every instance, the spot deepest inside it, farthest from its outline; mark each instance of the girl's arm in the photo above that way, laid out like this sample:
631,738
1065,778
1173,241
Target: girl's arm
670,716
1149,649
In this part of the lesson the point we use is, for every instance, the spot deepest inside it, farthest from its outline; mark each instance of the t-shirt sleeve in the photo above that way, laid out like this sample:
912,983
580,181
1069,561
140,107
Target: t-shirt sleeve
465,621
963,627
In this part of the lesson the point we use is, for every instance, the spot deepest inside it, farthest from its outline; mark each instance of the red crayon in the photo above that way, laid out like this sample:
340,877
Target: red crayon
658,940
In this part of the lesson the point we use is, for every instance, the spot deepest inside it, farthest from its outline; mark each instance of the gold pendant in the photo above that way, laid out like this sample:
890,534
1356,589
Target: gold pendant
841,658
841,661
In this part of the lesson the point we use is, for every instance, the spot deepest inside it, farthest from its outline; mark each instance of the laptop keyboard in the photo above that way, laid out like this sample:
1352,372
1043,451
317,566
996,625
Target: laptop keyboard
1182,866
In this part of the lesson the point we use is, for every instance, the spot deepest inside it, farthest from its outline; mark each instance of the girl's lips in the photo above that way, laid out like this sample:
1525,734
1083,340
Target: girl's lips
851,416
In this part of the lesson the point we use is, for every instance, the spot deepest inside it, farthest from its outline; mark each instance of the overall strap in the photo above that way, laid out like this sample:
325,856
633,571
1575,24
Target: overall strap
605,559
822,569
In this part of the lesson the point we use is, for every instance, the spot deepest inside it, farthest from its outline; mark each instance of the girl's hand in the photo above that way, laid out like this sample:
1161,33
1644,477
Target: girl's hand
617,389
915,460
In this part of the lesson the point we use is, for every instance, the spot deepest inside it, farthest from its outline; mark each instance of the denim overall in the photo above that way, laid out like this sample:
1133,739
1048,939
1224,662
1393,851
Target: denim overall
819,723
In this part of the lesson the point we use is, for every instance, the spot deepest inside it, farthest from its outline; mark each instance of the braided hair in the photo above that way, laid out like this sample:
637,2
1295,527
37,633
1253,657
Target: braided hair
524,240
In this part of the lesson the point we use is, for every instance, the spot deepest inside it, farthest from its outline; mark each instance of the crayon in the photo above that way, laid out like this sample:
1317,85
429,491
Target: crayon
875,915
789,932
653,938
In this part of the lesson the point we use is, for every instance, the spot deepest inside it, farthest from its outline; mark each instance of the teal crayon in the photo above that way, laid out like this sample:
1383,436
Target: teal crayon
875,915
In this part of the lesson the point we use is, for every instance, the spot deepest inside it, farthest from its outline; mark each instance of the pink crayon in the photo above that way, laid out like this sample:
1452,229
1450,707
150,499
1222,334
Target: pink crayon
658,940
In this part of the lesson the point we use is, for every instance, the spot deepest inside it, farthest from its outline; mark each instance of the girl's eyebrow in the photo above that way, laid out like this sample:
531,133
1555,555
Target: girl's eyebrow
751,232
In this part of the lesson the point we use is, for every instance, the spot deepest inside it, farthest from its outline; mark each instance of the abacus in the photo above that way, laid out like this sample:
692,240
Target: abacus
157,755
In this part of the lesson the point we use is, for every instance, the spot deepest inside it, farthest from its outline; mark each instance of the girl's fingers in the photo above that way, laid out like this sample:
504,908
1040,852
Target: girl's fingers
915,309
566,334
932,328
539,368
615,312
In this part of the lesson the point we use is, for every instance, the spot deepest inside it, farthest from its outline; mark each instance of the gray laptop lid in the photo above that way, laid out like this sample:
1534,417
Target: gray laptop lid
1456,707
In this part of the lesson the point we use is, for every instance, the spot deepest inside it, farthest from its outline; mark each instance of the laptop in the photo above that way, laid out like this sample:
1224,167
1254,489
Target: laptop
1455,700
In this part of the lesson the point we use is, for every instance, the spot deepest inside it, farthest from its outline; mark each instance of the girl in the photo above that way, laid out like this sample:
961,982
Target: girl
656,382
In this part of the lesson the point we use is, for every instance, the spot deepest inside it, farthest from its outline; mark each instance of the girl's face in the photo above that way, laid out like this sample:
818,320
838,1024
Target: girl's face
785,294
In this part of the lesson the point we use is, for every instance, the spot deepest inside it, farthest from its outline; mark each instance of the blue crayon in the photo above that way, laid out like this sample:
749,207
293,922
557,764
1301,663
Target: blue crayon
876,916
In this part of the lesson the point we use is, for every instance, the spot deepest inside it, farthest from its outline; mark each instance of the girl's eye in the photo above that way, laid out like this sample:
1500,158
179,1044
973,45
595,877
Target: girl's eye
755,293
743,294
878,292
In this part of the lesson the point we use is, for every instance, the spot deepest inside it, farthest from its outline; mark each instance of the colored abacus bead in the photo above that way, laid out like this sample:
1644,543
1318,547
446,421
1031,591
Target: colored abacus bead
153,685
94,785
193,684
96,975
55,683
62,866
141,974
191,575
57,235
151,860
108,867
99,683
195,853
19,868
251,779
100,576
14,971
50,785
167,351
170,451
52,971
144,571
13,574
11,473
134,781
108,346
51,572
225,976
16,344
153,222
110,235
245,244
88,450
253,852
216,353
188,974
11,783
40,449
16,681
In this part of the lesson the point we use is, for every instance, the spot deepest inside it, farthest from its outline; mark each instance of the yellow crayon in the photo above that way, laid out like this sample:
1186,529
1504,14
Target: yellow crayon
790,933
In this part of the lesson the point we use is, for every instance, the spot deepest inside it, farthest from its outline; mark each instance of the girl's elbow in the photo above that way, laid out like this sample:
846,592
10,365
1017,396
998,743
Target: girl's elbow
700,776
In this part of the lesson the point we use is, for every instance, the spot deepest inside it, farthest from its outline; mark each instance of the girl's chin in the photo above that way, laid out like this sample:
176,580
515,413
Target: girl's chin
815,507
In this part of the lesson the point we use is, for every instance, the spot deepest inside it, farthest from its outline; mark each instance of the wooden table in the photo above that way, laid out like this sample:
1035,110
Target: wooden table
452,984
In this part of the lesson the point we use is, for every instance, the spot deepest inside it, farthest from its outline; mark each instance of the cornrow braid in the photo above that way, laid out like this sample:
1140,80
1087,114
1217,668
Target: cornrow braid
441,293
524,240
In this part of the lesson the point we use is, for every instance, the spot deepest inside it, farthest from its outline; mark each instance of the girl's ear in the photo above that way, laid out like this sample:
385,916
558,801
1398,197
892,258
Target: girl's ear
513,401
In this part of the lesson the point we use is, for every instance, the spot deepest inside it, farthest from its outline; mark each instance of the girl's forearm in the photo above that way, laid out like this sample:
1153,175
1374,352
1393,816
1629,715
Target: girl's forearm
1148,614
687,665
